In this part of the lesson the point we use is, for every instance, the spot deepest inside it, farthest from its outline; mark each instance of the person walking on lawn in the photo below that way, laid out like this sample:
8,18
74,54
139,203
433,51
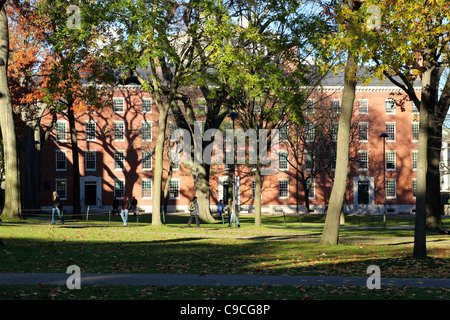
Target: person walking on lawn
56,201
234,216
193,209
124,210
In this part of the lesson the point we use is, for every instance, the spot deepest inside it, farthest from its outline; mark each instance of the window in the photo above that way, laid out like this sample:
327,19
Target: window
61,133
390,160
309,132
61,160
391,188
61,188
90,131
309,106
283,132
363,106
336,106
414,160
146,189
146,105
414,188
363,160
119,160
201,104
172,128
146,160
228,159
283,189
175,155
283,160
309,165
312,189
119,130
119,188
334,131
119,105
390,106
363,131
146,131
333,160
415,131
390,130
174,189
90,160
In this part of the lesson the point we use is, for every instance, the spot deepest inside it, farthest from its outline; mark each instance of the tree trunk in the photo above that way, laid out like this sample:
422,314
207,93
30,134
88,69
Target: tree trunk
433,192
76,198
420,250
12,206
330,233
200,173
158,170
258,194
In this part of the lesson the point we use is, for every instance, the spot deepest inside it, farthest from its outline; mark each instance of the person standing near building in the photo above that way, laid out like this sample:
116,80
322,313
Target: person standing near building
124,210
220,207
193,209
56,203
234,216
133,205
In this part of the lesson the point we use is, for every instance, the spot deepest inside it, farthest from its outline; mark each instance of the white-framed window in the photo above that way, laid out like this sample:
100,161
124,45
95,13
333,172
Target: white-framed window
147,105
390,106
283,188
363,160
363,131
172,128
61,131
90,130
61,160
90,160
146,188
119,160
146,160
309,132
391,188
391,159
309,164
61,188
391,131
414,159
336,106
119,188
309,106
312,189
415,131
146,131
228,159
119,131
333,159
363,106
175,155
414,188
283,132
174,189
283,163
334,131
119,105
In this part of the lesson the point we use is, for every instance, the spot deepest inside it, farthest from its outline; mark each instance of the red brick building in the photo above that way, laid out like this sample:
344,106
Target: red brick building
116,157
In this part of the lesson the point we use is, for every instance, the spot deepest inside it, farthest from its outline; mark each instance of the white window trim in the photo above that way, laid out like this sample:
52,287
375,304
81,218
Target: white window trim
279,160
65,183
412,185
395,132
390,197
313,189
412,132
56,160
151,161
142,105
123,131
65,131
114,104
393,108
280,180
114,187
179,189
151,189
359,125
150,123
366,100
95,160
336,111
412,159
124,157
395,162
367,153
95,130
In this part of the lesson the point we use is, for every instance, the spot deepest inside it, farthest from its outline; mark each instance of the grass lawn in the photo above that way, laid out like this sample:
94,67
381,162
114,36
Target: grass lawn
282,246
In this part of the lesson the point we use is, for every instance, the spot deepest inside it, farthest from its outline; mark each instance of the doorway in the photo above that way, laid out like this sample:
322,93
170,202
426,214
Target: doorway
90,193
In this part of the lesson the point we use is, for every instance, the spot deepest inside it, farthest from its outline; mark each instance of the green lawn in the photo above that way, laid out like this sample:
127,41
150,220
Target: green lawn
277,248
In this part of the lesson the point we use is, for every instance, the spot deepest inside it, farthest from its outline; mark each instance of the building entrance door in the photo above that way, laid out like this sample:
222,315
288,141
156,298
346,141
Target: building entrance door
363,192
90,193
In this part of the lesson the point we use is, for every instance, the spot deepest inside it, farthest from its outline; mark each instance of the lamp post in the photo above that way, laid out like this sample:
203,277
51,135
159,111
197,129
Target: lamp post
384,135
233,115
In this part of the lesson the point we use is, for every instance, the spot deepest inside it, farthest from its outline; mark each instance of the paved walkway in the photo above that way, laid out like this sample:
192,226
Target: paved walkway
210,280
